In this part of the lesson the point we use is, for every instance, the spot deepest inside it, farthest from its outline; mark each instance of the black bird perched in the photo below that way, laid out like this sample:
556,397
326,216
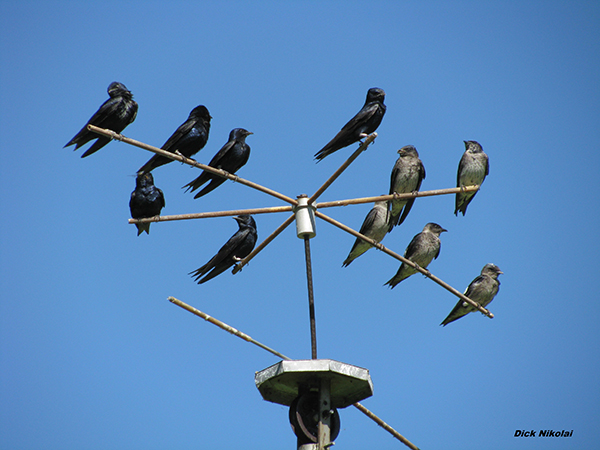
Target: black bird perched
424,248
146,201
235,249
474,166
375,226
115,114
232,156
361,125
188,139
407,175
482,290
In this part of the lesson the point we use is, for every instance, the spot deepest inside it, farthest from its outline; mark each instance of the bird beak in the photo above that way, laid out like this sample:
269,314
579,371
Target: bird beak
443,229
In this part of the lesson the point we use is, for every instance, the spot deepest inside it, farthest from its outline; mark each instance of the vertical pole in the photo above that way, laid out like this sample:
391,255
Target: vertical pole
311,298
324,438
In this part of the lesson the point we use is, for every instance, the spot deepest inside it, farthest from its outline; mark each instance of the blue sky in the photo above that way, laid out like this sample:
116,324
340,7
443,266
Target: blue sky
93,356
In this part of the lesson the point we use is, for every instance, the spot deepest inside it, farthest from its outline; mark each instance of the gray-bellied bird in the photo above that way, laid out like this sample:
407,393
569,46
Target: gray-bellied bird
423,249
375,226
407,175
235,249
232,156
115,114
361,125
482,290
146,201
474,166
188,139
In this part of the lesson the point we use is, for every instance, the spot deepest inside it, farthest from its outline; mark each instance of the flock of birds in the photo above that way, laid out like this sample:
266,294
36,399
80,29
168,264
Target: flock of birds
407,175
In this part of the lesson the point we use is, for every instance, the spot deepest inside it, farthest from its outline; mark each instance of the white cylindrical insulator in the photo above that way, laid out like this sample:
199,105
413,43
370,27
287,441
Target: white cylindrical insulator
305,218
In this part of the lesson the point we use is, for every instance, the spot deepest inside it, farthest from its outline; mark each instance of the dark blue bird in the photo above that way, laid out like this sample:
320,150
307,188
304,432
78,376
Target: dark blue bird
146,201
188,139
232,156
115,114
361,125
235,249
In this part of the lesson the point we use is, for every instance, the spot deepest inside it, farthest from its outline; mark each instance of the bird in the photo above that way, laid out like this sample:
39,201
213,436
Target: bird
146,201
482,290
232,156
407,175
423,248
375,226
188,139
361,125
115,114
474,166
235,249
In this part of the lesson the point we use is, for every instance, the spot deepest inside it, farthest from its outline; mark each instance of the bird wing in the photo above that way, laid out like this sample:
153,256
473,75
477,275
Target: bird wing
410,202
183,129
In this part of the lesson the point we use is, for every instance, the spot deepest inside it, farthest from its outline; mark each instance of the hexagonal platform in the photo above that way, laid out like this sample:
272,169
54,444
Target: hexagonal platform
281,382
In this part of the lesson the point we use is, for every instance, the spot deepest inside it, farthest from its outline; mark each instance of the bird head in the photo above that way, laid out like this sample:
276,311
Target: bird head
375,95
408,150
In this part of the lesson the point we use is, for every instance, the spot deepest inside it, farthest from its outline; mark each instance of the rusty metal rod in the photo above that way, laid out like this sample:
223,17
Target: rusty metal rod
276,209
206,215
385,426
224,326
425,272
192,162
311,298
357,201
247,338
264,243
370,138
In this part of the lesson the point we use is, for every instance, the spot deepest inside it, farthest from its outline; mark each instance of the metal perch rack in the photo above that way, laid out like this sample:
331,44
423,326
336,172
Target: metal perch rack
320,382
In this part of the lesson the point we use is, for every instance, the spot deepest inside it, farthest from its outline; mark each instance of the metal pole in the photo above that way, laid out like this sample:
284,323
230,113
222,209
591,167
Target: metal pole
325,412
311,298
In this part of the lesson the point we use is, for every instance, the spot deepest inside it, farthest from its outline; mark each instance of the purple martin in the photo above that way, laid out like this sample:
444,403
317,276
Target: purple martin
236,248
115,114
361,125
473,168
482,290
407,175
146,201
375,226
188,139
232,156
423,248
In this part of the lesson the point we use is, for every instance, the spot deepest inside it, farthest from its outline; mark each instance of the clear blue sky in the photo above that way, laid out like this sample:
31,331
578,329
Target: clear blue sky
93,356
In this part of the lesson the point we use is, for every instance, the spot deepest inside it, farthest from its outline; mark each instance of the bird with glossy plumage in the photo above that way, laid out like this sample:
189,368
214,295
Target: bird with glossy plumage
187,140
146,201
115,114
235,249
232,156
360,126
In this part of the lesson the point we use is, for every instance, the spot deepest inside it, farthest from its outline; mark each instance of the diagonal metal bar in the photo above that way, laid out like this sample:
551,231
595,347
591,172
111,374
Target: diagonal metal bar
192,162
247,338
368,140
264,243
425,272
